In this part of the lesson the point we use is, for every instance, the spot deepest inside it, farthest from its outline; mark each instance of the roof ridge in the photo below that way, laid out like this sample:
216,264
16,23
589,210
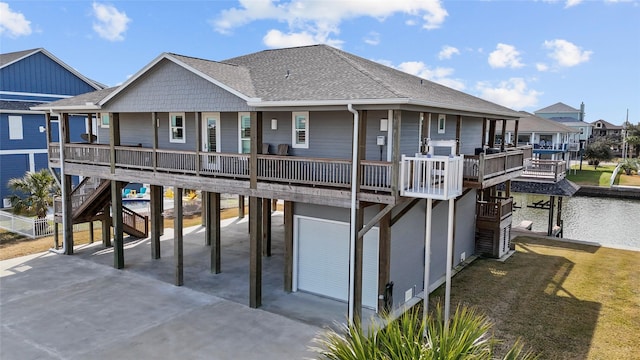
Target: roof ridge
362,70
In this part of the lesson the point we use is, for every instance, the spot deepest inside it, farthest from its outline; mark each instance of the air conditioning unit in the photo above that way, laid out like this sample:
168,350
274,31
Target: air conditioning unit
6,202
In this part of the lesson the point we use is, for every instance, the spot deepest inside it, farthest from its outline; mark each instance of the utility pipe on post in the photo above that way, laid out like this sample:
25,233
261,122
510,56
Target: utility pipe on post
353,232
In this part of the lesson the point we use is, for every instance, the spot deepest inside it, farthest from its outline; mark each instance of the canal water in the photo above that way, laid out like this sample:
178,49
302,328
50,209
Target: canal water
608,221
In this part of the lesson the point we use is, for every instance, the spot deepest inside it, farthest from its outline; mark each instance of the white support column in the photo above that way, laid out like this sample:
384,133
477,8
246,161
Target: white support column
427,261
447,297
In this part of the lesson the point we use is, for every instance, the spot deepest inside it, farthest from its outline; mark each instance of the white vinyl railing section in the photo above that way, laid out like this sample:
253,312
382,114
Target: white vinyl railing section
27,226
434,177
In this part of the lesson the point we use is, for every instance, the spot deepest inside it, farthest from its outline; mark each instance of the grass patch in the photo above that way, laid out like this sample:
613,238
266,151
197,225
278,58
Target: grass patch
566,301
590,176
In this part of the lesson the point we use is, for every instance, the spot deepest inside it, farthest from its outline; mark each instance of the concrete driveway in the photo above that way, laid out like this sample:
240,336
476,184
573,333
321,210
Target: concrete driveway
67,307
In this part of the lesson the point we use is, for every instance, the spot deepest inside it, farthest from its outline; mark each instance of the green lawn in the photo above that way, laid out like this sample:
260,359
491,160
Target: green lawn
590,176
565,300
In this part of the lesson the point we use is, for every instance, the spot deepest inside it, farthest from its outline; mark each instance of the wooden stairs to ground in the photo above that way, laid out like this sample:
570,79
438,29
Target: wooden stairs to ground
90,199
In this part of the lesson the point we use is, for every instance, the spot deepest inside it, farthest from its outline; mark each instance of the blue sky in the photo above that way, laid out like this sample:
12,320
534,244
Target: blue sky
522,54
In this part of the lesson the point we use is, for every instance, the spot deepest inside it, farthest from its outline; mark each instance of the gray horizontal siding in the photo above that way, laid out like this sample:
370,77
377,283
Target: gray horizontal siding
410,133
169,87
470,133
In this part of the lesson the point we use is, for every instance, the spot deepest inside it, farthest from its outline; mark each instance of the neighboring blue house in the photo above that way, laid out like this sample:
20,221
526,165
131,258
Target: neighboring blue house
568,116
29,78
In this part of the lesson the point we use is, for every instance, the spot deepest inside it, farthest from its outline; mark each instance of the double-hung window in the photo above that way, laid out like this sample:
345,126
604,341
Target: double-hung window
177,128
300,130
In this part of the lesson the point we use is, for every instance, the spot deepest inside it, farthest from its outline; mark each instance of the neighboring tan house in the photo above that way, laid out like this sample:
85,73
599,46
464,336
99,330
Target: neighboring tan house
29,78
568,116
360,153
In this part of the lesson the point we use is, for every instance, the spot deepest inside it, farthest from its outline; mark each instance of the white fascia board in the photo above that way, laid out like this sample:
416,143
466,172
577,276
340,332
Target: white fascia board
67,108
37,112
341,102
392,101
20,58
34,94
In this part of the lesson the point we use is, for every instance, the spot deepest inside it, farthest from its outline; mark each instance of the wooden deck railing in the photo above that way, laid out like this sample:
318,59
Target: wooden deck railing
549,170
434,177
138,224
494,210
376,175
479,168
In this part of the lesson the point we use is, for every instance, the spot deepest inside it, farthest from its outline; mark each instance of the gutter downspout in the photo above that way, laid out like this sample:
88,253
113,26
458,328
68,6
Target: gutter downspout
62,189
352,227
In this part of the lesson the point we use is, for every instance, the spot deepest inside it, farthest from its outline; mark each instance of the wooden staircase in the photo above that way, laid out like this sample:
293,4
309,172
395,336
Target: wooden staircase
90,199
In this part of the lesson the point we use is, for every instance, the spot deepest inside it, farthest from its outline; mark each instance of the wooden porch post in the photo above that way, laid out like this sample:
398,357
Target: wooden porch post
384,258
198,122
288,246
106,227
552,200
178,237
395,153
56,236
91,232
90,128
204,195
241,206
154,126
266,227
114,130
492,133
484,132
116,221
255,215
559,218
458,130
504,134
156,220
255,250
67,216
212,230
515,133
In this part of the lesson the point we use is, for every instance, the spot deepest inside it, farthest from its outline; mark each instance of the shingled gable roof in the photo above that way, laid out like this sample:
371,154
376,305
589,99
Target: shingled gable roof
232,78
13,57
318,75
87,101
607,125
532,123
322,74
557,108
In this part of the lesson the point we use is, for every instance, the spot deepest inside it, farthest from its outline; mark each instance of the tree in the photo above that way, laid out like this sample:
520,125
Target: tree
33,194
597,152
467,336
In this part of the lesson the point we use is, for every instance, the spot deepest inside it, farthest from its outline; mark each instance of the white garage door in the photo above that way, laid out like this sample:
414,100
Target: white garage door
322,260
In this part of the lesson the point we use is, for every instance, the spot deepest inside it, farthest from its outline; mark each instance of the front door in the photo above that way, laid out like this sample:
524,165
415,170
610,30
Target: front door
210,137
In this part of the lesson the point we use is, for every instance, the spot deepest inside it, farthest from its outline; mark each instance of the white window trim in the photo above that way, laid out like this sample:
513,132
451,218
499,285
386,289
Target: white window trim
442,119
16,131
102,124
294,143
184,128
240,138
205,136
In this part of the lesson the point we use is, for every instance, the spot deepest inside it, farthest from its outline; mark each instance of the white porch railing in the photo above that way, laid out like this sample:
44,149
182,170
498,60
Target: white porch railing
549,170
436,177
29,227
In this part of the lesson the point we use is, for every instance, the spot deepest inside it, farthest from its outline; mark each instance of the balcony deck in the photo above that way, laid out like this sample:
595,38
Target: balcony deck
544,170
316,180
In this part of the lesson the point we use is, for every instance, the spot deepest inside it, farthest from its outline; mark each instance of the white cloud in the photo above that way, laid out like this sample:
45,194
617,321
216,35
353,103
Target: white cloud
322,19
278,39
571,3
512,93
13,23
373,38
565,53
447,52
505,56
542,67
110,23
439,75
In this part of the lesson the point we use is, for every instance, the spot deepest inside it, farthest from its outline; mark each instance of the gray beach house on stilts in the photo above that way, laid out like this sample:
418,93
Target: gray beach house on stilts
388,180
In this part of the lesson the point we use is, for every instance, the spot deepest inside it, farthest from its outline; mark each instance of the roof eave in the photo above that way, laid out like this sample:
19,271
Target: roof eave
46,107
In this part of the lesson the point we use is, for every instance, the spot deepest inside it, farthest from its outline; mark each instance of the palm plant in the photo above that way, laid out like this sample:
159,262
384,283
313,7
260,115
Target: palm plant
629,165
33,193
466,336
